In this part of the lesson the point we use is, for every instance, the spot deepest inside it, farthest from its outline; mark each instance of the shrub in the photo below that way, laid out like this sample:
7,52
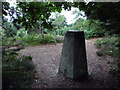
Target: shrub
36,39
62,31
10,30
108,46
88,34
29,40
92,28
22,32
48,39
18,72
59,38
11,41
7,41
115,70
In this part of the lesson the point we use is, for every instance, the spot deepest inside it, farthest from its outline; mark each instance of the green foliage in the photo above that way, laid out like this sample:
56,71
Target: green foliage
31,12
115,70
17,71
78,24
59,39
48,39
88,34
22,32
108,45
9,29
59,21
36,39
59,24
62,30
11,42
28,13
106,12
1,35
30,40
91,28
7,41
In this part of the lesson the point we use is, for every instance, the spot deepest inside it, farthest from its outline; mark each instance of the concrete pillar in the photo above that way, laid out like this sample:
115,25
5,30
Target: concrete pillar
73,62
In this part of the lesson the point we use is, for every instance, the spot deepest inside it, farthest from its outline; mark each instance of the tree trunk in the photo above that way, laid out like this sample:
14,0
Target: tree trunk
42,33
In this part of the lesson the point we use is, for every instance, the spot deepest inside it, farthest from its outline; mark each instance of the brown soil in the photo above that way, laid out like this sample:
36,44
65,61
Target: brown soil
47,59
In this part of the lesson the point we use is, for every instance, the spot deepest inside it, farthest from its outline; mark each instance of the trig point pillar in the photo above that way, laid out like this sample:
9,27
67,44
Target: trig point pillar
73,62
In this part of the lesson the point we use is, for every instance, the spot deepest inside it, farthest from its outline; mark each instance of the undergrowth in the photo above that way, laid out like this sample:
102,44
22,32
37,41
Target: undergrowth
29,40
110,46
17,71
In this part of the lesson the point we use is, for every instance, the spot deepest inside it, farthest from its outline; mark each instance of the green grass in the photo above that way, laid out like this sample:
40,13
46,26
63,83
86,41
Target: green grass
48,39
17,71
29,40
108,46
115,69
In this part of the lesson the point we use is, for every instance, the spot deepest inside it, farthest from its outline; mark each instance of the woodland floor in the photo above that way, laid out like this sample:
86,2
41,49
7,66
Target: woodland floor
47,59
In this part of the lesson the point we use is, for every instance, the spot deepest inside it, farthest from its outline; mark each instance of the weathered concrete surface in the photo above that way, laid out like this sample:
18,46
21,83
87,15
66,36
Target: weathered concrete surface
73,62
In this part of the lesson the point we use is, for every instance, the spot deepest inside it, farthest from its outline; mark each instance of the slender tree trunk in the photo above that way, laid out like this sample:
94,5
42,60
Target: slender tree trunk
42,33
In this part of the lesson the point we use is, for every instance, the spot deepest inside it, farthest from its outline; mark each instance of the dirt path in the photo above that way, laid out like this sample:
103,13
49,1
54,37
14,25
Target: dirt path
47,58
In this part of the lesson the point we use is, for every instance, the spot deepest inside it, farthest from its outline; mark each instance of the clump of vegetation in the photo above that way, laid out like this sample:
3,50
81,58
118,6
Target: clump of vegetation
28,40
17,71
115,70
36,39
48,39
59,39
108,46
91,28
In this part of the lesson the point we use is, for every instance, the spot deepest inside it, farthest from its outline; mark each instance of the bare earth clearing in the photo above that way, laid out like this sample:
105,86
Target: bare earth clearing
47,58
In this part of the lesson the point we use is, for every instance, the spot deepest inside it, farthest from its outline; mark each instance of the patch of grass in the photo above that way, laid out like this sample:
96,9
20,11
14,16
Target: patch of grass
28,40
88,34
48,39
108,46
11,41
115,70
59,39
17,71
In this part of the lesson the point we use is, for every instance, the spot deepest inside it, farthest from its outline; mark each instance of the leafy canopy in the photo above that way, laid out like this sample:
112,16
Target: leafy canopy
28,13
32,12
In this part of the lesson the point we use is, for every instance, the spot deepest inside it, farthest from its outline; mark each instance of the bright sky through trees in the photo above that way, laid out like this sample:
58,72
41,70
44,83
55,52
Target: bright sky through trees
70,17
